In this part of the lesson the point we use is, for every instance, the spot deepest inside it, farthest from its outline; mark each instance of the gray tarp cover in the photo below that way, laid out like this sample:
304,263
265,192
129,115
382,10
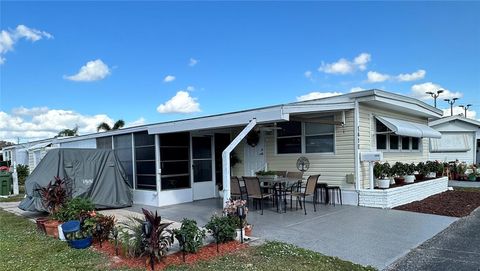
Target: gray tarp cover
94,174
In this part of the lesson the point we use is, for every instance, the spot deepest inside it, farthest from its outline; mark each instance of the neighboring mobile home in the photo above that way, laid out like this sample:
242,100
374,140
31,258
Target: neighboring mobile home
460,139
181,161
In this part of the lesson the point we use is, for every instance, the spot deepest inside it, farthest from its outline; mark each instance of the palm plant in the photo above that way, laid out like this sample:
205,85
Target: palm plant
68,132
106,127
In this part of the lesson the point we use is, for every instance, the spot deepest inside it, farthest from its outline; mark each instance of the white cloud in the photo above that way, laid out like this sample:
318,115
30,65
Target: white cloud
168,78
182,102
419,91
92,71
138,122
356,89
192,62
406,77
344,66
8,38
471,114
190,88
374,77
308,74
316,95
361,61
35,123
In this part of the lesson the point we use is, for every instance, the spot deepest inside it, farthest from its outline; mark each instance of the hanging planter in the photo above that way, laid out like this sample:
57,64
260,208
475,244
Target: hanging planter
252,138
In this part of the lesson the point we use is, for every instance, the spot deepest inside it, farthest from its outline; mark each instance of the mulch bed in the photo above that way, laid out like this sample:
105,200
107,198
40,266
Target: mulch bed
207,252
449,203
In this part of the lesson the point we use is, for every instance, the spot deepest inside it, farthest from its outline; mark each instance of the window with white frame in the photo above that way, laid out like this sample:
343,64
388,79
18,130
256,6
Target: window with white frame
388,141
316,136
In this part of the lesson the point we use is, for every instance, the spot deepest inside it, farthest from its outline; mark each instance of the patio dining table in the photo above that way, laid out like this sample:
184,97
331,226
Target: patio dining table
280,186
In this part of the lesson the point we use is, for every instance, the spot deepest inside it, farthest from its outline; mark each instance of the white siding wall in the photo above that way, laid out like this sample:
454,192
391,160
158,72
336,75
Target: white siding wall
332,167
85,144
368,140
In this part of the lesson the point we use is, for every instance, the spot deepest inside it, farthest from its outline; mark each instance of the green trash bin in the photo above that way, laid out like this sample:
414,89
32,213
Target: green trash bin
6,183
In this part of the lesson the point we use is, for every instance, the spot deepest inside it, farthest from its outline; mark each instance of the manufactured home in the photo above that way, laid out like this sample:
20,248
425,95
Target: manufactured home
186,160
460,140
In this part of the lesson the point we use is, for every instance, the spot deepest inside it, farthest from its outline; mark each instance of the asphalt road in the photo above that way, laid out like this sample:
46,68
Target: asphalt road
456,248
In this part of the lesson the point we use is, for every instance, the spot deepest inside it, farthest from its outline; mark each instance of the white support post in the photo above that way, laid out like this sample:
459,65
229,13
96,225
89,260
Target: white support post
370,169
226,158
16,190
356,139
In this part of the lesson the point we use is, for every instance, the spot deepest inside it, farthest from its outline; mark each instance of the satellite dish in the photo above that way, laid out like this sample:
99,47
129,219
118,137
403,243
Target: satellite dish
303,164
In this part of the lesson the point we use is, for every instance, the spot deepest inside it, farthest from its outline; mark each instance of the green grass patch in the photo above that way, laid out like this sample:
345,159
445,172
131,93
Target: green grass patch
274,256
23,248
13,198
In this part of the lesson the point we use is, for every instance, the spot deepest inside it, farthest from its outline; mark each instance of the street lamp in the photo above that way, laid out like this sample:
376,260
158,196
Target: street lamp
435,96
465,107
451,102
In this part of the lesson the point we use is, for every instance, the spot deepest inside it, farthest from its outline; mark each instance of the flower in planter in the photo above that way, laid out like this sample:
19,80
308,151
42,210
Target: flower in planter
231,210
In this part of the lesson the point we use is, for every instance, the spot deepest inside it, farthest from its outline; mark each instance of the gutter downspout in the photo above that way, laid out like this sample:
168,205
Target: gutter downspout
226,158
356,143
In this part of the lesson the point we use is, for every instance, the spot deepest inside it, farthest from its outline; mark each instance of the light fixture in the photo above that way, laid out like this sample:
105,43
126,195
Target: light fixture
435,95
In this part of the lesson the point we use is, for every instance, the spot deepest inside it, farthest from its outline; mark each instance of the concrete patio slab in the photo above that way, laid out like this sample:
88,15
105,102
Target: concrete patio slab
367,236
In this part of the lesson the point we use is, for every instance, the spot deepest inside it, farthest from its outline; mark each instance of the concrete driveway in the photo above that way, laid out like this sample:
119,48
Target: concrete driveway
362,235
456,248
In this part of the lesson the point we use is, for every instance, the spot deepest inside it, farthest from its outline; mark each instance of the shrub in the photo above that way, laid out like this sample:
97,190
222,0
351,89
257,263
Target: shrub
130,236
422,168
160,239
55,194
22,173
103,227
222,228
398,169
191,234
410,168
381,170
74,208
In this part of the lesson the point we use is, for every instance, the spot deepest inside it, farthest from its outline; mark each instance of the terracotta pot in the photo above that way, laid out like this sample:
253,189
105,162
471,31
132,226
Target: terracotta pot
248,230
399,180
51,228
419,177
41,224
439,175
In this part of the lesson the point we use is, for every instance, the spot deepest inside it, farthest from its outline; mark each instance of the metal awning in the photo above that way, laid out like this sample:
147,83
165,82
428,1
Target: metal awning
406,128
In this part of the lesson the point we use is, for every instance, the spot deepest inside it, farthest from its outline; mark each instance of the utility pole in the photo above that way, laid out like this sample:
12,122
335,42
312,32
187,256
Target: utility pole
451,102
435,96
465,107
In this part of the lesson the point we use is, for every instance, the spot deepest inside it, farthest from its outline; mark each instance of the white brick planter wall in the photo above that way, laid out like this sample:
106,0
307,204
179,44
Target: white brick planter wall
392,197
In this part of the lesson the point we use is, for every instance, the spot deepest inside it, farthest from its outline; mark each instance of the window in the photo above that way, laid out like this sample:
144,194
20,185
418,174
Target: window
122,145
387,140
289,137
318,136
394,142
145,161
175,160
104,142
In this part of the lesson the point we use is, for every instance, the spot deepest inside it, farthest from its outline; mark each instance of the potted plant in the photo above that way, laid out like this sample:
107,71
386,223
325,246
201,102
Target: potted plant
238,210
398,170
422,171
431,168
381,172
53,196
409,171
472,172
462,168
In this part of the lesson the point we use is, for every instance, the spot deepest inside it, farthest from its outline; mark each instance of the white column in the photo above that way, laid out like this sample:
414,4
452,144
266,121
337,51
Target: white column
226,158
15,179
356,123
158,168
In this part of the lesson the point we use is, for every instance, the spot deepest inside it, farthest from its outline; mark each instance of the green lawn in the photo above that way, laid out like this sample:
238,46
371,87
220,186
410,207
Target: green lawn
13,198
22,248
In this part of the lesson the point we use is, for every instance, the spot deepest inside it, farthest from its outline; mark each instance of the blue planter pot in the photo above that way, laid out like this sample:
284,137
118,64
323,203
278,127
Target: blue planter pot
81,243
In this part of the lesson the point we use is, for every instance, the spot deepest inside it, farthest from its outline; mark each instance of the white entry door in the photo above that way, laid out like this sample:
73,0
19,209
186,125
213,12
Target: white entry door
202,167
254,158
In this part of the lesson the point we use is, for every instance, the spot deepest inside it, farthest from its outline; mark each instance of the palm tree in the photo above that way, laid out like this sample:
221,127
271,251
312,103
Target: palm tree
68,132
106,127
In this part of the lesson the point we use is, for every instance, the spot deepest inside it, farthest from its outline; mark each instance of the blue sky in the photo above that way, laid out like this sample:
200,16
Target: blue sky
224,56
